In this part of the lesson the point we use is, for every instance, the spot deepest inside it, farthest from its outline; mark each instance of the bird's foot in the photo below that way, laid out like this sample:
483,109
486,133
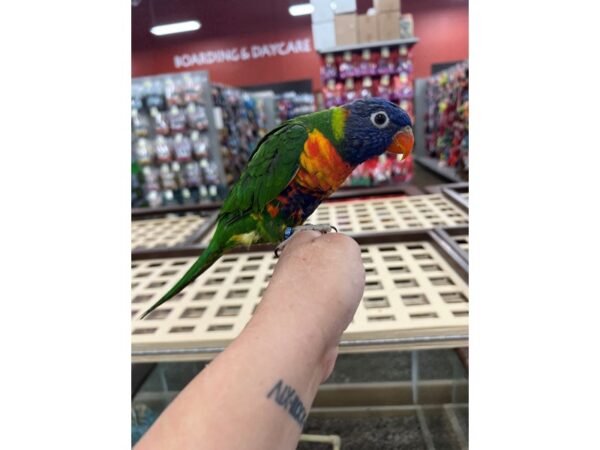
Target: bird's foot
289,231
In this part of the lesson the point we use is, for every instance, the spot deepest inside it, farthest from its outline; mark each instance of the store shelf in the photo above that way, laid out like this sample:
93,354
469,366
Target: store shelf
375,211
164,232
416,296
139,213
446,132
364,45
459,194
457,239
433,165
389,213
344,192
169,231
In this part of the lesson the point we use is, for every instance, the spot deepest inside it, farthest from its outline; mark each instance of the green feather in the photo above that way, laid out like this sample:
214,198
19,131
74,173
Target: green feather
270,169
208,257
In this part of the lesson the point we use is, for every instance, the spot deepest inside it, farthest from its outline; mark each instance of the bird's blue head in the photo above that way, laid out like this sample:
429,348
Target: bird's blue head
373,126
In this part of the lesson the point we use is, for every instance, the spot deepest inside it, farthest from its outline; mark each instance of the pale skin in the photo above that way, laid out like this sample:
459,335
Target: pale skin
293,336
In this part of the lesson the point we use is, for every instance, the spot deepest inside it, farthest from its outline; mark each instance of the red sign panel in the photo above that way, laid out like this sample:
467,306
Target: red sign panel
270,57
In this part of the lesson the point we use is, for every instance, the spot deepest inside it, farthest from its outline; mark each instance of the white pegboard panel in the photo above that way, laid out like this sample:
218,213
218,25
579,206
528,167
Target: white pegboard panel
390,213
163,232
462,241
386,214
410,291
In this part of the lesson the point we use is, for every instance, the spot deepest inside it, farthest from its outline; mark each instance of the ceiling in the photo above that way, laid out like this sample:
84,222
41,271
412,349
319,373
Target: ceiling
219,18
222,18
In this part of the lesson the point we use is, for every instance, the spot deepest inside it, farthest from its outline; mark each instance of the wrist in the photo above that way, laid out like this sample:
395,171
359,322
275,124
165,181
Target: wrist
297,331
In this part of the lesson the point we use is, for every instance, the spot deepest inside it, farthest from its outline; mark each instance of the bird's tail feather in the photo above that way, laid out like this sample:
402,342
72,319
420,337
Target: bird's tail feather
208,257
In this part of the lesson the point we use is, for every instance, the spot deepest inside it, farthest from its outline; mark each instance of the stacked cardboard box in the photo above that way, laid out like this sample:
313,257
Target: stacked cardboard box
367,28
332,27
384,22
388,19
343,26
346,29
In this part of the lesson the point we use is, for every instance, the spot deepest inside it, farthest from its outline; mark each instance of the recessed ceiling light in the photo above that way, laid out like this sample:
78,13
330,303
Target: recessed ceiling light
301,10
172,28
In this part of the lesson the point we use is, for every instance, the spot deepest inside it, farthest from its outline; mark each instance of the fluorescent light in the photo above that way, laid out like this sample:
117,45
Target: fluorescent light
171,28
301,10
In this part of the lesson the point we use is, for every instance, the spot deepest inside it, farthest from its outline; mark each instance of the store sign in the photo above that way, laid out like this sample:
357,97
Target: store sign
244,53
266,57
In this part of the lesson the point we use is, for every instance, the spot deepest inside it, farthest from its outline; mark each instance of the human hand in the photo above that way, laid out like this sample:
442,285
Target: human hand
315,290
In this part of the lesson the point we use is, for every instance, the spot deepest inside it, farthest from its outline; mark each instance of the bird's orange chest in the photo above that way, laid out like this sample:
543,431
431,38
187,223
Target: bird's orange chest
321,166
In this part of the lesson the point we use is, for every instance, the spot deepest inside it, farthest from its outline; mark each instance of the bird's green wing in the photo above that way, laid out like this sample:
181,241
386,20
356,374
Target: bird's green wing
270,169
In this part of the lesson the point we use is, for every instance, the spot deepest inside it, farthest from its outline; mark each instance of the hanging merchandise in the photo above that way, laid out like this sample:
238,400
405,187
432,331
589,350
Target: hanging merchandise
151,178
137,97
350,93
192,174
200,144
240,131
161,126
154,198
143,152
162,149
338,95
329,94
383,88
386,65
177,119
292,104
367,84
329,70
347,66
182,147
186,197
192,88
168,198
367,66
167,177
447,119
140,123
153,93
178,174
196,117
173,94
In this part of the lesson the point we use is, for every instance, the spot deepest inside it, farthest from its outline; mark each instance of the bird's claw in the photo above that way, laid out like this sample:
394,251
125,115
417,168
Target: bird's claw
289,231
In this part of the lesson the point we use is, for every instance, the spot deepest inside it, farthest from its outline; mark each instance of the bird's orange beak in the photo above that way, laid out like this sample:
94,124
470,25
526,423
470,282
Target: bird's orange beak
402,143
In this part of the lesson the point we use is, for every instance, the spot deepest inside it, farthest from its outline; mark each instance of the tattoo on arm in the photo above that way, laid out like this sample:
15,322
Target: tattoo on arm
286,397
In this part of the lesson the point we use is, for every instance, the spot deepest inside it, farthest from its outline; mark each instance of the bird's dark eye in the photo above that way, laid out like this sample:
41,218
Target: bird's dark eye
380,119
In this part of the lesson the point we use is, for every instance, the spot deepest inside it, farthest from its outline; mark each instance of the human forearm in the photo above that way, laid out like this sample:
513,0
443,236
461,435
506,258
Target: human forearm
257,393
218,410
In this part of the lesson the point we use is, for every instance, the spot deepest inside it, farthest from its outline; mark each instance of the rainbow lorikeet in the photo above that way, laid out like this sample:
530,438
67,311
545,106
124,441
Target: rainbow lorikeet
295,167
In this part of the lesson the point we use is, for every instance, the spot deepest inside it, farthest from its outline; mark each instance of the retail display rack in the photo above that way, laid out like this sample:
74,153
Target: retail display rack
446,118
191,138
457,192
292,104
175,158
240,125
375,69
416,292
